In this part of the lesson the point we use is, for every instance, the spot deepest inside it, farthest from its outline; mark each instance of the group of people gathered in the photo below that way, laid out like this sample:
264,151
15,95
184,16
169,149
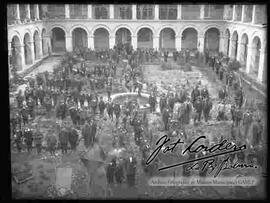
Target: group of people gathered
62,95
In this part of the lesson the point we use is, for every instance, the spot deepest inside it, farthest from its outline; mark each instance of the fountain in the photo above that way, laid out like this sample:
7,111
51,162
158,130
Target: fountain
142,100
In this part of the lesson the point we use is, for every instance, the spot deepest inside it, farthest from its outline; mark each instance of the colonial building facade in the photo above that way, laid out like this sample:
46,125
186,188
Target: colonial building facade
238,31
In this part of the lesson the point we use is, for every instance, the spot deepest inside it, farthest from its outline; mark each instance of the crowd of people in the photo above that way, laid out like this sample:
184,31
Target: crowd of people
61,94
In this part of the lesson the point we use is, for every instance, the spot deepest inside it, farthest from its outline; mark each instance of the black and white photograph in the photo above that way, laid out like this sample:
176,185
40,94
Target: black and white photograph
137,101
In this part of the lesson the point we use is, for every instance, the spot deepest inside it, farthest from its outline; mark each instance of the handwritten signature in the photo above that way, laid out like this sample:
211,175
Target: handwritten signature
222,148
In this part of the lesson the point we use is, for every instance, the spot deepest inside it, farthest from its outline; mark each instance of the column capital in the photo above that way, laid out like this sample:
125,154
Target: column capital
68,36
263,50
200,36
251,47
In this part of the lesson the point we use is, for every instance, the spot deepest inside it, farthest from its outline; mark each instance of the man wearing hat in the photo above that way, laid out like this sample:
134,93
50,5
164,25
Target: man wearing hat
117,111
24,114
38,141
204,92
28,134
195,93
63,139
165,117
110,109
162,102
131,166
101,106
247,121
18,139
207,106
198,108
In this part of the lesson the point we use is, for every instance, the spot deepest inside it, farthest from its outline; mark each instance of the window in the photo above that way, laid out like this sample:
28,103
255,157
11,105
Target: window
145,12
123,12
56,11
167,12
207,11
101,11
78,11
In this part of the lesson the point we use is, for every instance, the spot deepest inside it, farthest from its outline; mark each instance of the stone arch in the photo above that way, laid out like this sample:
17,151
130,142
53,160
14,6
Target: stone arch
13,34
27,49
190,26
168,26
123,26
227,37
58,26
243,49
260,36
189,38
100,26
79,26
101,38
234,44
145,37
36,40
144,26
167,38
216,26
28,31
36,29
16,55
58,39
211,39
79,37
123,36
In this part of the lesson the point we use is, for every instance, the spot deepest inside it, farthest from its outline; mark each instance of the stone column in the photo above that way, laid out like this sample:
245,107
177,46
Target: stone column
40,54
178,42
31,44
67,13
243,13
238,55
68,43
9,58
202,9
48,44
9,48
254,15
111,41
134,11
28,16
262,64
89,11
249,58
111,11
200,45
22,55
231,48
156,42
179,12
156,17
91,42
221,44
233,13
134,41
